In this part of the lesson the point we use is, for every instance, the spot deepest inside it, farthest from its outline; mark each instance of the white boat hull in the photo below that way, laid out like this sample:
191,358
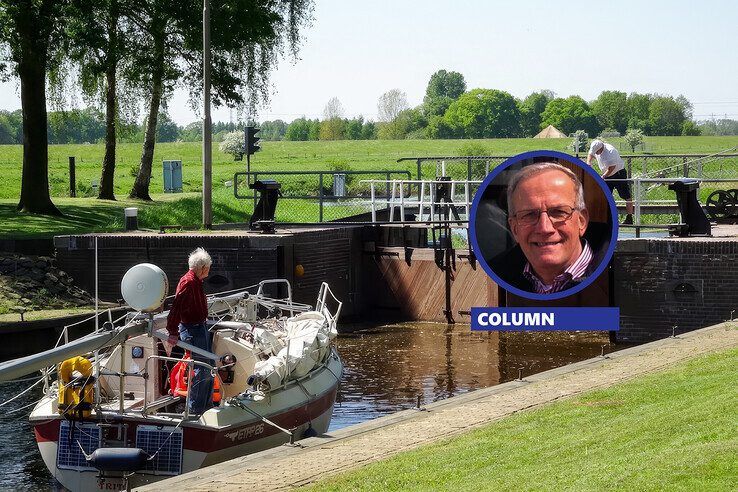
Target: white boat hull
220,434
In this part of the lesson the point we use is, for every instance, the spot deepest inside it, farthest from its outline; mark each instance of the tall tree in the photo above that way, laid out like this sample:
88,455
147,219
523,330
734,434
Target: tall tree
484,113
666,116
332,126
247,38
637,106
27,28
97,42
443,88
610,108
569,115
390,104
531,109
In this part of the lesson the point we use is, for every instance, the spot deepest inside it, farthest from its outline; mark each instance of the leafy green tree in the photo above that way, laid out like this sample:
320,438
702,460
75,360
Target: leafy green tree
192,132
531,109
569,115
369,131
439,128
610,108
314,129
11,127
298,130
333,125
166,129
690,129
97,34
665,116
443,89
715,127
272,130
484,113
353,128
637,108
247,39
76,126
30,32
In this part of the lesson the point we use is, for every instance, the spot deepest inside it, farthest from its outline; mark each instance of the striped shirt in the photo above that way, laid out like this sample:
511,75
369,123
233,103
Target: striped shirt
575,271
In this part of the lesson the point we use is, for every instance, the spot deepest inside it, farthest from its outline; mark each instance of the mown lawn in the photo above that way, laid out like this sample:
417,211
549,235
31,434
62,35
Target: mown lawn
674,430
85,214
285,156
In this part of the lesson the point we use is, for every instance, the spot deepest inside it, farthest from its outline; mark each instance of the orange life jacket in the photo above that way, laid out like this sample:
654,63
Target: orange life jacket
178,380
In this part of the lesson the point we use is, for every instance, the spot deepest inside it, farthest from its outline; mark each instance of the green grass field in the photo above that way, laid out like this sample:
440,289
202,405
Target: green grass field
668,431
89,215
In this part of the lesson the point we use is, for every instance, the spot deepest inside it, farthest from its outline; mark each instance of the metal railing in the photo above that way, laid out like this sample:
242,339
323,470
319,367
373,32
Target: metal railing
412,194
324,187
717,165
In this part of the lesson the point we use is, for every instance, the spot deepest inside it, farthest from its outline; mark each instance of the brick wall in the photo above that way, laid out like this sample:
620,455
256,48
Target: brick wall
662,283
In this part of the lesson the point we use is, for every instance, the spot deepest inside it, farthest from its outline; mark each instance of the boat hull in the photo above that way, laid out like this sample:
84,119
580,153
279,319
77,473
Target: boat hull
219,435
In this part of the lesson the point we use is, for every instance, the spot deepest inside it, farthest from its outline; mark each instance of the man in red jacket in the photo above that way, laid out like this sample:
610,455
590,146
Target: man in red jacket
186,321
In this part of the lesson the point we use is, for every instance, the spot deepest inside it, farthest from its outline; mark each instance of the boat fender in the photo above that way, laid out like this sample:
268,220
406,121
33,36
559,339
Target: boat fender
118,459
309,432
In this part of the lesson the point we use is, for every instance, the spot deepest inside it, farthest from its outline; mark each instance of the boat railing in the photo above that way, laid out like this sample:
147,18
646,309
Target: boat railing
190,367
321,306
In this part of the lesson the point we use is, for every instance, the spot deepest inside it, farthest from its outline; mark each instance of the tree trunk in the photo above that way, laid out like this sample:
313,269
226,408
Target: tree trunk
34,196
141,185
107,191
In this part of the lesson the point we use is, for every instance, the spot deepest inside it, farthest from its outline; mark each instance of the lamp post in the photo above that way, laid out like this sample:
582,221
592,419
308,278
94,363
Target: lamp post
207,144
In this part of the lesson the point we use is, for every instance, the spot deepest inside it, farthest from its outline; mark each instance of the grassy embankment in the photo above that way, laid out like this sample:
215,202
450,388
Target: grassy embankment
668,431
88,214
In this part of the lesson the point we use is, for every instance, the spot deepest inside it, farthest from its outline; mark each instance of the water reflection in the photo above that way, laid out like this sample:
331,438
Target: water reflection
21,466
387,368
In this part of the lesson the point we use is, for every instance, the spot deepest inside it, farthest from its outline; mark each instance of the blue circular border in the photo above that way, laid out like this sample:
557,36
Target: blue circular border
473,226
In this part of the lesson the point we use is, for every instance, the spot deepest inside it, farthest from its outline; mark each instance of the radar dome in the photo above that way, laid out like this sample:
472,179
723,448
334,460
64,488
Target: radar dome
144,287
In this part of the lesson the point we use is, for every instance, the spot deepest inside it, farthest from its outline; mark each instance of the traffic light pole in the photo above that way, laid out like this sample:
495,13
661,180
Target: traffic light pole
207,144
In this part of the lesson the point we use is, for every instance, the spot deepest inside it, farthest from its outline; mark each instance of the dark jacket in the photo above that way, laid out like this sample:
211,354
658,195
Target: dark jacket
509,265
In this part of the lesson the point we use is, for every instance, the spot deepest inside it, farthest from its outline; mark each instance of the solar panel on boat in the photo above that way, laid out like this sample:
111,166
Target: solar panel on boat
68,454
168,460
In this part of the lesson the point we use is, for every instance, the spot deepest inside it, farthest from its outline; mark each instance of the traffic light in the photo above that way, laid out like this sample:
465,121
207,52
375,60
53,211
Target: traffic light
252,141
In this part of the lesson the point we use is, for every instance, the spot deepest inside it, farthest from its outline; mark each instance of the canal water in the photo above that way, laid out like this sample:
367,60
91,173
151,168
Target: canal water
386,369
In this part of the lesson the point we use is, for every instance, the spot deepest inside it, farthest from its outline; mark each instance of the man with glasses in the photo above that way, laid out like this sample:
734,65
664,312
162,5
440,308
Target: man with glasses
548,219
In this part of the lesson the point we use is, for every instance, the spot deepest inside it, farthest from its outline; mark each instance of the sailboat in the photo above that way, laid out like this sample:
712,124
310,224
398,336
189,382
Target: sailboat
114,418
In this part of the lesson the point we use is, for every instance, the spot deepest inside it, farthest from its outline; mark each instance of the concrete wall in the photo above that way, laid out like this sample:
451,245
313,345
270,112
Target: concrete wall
662,283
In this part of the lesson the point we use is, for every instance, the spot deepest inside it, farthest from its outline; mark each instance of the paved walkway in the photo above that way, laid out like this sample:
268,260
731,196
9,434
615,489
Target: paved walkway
351,447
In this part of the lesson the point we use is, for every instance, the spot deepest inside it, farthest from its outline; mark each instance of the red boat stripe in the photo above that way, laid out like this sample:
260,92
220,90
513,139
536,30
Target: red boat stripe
208,440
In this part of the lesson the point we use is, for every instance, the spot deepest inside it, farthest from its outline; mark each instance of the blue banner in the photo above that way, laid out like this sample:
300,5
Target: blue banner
545,319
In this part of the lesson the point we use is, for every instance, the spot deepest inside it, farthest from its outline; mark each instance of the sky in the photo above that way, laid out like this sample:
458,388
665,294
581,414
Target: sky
356,51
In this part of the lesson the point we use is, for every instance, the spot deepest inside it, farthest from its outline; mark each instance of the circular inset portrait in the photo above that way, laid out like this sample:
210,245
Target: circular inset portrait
543,225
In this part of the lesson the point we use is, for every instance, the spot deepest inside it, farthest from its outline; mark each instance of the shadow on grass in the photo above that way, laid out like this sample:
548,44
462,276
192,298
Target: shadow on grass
77,219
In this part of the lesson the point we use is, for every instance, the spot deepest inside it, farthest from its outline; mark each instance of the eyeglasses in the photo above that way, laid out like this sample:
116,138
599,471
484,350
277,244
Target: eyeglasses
557,215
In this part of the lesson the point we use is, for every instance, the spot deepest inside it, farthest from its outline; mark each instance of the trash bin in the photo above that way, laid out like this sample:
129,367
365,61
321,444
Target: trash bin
131,214
172,176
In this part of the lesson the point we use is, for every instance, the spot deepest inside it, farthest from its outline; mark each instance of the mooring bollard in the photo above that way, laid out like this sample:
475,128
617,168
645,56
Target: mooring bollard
131,214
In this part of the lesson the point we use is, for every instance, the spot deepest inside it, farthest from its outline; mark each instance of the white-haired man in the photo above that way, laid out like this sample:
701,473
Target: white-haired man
613,168
186,321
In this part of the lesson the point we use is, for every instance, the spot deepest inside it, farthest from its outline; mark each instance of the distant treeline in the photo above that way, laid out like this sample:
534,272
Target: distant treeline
448,111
